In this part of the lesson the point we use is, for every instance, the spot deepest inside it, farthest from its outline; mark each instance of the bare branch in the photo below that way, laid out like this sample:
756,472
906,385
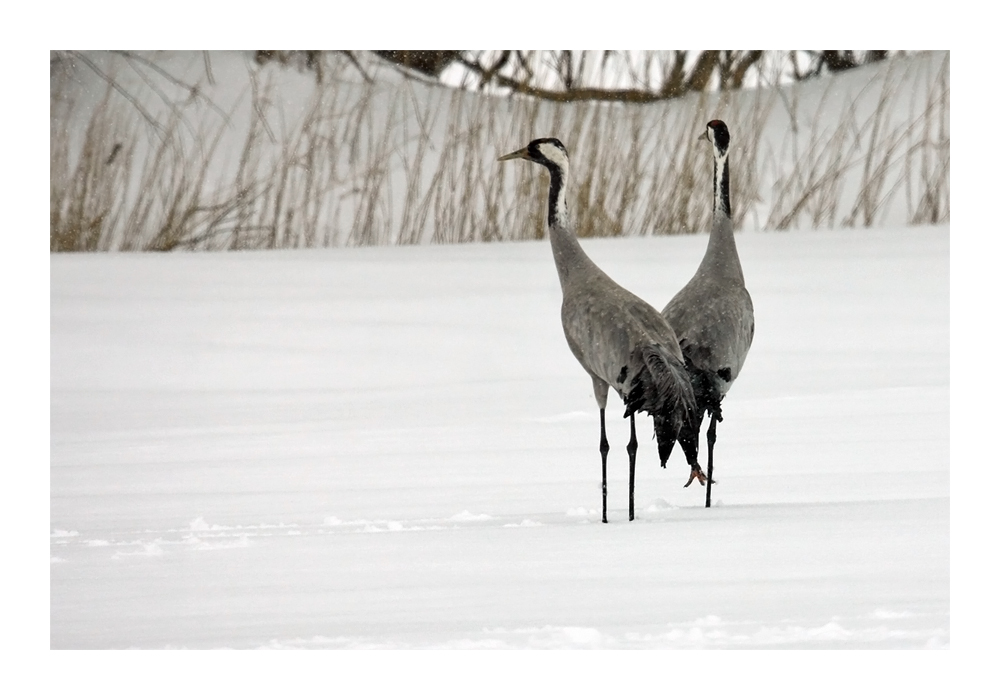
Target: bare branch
742,66
193,90
354,61
702,71
123,92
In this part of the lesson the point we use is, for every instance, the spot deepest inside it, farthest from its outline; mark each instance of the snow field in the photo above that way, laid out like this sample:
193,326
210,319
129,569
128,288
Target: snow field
394,448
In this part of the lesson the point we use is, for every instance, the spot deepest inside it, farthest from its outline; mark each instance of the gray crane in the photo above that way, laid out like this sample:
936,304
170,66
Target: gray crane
620,340
713,317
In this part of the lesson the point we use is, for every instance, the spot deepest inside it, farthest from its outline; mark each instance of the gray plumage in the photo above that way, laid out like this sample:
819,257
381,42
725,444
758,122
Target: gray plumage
620,340
713,314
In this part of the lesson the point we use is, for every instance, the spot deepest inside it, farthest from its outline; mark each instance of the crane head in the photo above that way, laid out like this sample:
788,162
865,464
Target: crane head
549,152
717,134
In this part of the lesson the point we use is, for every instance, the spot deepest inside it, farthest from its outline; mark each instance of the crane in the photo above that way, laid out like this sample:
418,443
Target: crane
712,316
620,340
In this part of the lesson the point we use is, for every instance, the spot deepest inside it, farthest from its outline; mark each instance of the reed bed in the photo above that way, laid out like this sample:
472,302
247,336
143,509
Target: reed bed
351,162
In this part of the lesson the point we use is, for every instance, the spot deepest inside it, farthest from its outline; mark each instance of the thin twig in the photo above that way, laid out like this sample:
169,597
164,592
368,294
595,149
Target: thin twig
125,93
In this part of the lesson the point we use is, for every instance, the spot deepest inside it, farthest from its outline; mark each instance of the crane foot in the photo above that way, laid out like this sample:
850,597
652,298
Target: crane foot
697,473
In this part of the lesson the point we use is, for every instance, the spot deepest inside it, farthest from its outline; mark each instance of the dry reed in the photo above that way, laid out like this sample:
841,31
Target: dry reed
369,163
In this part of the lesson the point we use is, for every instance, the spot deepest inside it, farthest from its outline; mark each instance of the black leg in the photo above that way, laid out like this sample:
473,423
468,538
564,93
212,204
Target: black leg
711,450
632,447
605,448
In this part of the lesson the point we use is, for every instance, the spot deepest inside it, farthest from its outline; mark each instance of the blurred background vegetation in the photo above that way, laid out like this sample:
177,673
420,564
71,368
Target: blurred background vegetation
271,149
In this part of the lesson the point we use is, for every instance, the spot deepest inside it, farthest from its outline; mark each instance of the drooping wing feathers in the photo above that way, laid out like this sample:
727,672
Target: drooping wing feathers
661,388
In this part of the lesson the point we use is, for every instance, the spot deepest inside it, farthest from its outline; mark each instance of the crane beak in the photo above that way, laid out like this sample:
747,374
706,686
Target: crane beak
522,153
703,137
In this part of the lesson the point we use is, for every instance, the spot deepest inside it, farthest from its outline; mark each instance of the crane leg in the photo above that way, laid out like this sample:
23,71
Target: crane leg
632,447
605,448
710,435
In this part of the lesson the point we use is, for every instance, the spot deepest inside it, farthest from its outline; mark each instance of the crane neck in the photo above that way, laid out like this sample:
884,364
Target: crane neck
569,255
721,258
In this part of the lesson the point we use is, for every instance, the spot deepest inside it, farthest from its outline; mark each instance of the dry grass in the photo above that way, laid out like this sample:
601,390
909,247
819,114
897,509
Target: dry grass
369,163
928,161
867,157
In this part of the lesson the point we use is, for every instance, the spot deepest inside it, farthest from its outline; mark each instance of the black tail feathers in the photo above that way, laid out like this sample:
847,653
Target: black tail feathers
661,387
688,438
665,438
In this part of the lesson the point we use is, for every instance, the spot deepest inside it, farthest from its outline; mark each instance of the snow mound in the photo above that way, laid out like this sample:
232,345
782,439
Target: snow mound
149,549
547,637
199,525
466,516
524,523
196,543
660,504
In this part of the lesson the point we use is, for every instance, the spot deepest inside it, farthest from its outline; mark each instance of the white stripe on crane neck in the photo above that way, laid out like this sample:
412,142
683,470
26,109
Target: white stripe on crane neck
559,171
721,162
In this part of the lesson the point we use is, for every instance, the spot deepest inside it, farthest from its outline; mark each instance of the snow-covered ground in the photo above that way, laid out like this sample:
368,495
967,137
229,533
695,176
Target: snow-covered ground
394,448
